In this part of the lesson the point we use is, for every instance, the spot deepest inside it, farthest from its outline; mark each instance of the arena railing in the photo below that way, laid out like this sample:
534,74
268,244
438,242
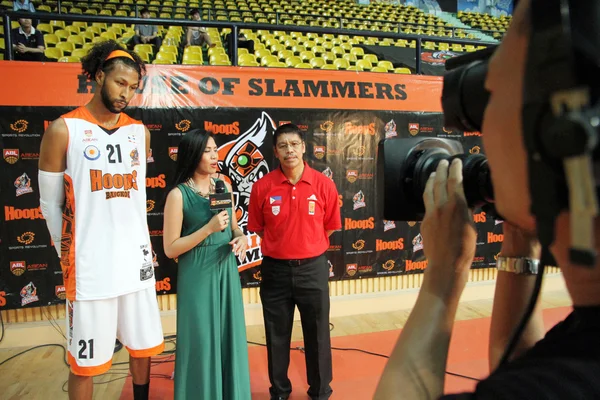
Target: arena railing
212,14
9,16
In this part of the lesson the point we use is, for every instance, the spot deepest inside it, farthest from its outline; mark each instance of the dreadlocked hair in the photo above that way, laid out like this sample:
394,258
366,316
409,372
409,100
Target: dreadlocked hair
95,59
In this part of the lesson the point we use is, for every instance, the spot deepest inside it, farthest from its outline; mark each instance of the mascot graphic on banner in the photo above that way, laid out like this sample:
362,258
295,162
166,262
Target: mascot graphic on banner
242,161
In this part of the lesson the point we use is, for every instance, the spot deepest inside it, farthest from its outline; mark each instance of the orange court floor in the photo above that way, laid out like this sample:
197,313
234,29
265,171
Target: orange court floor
42,374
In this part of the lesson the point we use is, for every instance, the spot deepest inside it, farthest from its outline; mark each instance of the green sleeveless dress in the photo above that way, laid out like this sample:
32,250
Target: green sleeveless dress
211,361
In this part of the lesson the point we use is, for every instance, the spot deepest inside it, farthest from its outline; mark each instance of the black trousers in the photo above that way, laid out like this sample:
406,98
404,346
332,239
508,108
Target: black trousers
283,287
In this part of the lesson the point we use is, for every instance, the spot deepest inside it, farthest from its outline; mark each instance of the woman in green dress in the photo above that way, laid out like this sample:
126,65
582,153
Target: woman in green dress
211,361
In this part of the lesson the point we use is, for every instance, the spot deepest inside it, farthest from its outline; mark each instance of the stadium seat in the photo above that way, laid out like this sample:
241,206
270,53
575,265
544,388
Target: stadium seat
70,59
53,53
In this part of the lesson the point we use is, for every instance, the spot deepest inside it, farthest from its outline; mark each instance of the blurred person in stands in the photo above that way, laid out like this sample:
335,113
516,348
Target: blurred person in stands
294,209
212,354
196,35
23,5
561,364
92,180
27,42
147,33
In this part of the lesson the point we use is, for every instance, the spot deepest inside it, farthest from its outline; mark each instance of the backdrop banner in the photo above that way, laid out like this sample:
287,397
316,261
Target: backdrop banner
343,114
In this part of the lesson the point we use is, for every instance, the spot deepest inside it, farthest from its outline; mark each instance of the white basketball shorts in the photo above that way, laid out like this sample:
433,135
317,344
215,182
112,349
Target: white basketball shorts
93,326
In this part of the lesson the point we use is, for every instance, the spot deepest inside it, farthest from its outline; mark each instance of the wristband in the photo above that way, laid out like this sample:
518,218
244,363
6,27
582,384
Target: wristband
518,265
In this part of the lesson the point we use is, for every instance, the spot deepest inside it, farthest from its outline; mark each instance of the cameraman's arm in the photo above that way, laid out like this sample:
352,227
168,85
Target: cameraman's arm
416,368
511,298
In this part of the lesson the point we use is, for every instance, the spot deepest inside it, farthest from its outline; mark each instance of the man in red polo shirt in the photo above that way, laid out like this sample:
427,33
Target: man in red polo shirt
294,209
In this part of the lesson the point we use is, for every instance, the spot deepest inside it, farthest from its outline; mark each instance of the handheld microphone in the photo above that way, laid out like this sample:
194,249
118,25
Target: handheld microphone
220,201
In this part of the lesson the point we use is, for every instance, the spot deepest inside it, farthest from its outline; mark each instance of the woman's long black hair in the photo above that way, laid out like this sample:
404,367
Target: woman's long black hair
189,154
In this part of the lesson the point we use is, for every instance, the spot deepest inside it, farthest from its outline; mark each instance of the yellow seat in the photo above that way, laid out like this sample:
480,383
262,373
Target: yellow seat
79,53
357,51
372,58
304,66
60,24
51,39
379,69
193,49
355,68
341,63
162,61
193,57
283,54
144,55
245,58
364,64
45,28
329,66
386,64
162,55
76,40
317,62
402,71
87,46
242,51
169,49
293,61
249,64
66,47
277,64
329,56
266,60
62,34
108,35
70,59
145,47
53,53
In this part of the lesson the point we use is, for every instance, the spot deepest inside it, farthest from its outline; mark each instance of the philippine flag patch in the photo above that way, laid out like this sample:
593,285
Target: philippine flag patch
275,200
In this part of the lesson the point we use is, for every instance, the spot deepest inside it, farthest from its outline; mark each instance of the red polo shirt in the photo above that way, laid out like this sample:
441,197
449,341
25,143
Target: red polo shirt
294,218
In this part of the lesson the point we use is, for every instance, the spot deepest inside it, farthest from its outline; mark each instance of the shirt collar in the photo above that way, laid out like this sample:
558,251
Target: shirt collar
22,32
307,175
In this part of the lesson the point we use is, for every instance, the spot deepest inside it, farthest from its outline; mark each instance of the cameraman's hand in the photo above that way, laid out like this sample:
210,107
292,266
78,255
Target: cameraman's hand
448,230
218,222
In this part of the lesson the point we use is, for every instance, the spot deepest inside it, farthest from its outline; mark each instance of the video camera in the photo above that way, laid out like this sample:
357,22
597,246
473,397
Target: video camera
404,164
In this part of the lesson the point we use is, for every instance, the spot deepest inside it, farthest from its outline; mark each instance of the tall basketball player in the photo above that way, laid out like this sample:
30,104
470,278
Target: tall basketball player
92,177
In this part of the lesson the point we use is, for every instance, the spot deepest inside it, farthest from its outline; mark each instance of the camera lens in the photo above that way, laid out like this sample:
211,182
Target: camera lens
464,97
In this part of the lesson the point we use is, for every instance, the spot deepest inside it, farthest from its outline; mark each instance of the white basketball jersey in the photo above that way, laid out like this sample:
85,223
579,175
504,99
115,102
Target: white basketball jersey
105,247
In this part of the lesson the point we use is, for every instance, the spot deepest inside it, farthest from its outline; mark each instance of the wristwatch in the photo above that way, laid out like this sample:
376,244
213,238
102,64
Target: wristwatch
518,265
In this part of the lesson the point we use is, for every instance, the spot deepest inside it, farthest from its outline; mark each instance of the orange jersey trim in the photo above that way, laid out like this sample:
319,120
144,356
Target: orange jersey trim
67,246
146,352
84,114
88,371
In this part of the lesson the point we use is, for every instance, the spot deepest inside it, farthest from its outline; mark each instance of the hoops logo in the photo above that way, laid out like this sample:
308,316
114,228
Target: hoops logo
163,285
107,181
472,133
149,205
415,265
2,298
351,129
156,182
173,153
359,224
381,245
495,238
479,218
184,125
475,150
11,213
413,128
224,129
257,275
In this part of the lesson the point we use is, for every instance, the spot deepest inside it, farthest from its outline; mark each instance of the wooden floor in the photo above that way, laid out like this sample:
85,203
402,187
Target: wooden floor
42,373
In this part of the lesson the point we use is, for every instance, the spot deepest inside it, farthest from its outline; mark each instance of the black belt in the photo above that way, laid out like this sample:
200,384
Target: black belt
293,263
